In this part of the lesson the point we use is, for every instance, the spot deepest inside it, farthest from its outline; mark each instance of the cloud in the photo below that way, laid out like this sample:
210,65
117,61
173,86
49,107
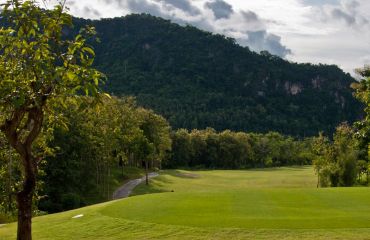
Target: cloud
250,16
220,8
341,15
184,5
90,11
350,12
352,5
262,40
320,2
330,31
251,30
143,6
217,16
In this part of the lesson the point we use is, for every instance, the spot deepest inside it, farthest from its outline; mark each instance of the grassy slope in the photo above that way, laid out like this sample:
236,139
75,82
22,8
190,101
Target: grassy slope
258,204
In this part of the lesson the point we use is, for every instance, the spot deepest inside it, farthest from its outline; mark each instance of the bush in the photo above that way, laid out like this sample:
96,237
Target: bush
4,218
47,205
71,201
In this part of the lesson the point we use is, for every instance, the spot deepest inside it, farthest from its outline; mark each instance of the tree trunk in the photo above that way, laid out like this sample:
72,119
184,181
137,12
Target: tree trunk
24,201
318,180
9,190
12,130
146,173
108,192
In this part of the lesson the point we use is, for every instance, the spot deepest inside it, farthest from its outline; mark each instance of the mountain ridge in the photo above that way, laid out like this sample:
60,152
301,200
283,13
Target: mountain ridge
198,79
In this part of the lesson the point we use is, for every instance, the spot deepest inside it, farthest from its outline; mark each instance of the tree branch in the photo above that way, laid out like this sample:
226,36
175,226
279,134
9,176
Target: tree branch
37,116
10,130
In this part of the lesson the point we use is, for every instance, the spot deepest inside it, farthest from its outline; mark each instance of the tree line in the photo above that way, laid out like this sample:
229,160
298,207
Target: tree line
93,140
50,134
236,150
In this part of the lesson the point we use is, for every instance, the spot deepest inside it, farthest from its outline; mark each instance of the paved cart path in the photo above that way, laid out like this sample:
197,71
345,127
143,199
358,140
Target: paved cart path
126,189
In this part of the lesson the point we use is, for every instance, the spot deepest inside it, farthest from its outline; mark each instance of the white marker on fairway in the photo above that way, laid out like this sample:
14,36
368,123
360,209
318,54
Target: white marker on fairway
78,216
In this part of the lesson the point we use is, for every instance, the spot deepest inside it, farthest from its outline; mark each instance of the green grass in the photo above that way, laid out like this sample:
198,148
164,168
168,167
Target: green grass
281,203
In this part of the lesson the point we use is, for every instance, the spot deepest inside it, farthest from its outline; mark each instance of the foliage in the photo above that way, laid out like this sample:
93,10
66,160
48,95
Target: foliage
91,145
336,163
235,150
38,69
9,178
362,93
196,80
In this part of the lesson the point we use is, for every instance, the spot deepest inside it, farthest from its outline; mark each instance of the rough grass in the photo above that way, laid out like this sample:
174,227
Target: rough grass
256,204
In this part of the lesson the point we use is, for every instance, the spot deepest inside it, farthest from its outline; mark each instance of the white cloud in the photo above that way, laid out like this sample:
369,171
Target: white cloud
220,8
330,31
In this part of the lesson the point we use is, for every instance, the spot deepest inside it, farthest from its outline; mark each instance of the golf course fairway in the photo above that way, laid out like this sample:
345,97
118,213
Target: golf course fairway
277,203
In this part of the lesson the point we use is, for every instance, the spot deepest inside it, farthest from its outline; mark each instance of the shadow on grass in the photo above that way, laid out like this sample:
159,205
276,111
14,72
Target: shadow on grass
181,174
156,185
178,173
290,168
160,184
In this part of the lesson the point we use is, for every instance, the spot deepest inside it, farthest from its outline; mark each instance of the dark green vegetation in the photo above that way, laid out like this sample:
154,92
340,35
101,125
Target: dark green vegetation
345,160
277,203
196,79
236,150
342,161
76,150
97,141
338,163
100,147
38,69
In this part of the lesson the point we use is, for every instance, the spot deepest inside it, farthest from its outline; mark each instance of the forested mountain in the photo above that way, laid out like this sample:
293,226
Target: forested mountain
198,79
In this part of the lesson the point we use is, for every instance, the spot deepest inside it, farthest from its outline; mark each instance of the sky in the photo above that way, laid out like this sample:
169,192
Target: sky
316,31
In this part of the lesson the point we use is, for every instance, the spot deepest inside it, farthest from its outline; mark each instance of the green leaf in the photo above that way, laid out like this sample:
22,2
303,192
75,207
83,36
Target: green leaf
89,50
71,76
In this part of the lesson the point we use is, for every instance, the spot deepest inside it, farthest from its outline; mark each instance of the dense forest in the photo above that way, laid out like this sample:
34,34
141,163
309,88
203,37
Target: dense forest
204,81
208,149
64,143
101,144
96,145
197,79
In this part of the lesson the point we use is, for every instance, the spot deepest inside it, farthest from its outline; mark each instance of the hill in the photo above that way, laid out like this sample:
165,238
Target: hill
197,79
281,203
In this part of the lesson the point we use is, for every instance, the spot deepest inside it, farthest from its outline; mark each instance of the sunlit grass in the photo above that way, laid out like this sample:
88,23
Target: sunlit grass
256,204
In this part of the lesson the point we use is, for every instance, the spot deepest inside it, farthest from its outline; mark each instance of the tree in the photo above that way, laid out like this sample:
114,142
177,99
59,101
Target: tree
321,148
156,139
38,68
362,93
346,148
336,162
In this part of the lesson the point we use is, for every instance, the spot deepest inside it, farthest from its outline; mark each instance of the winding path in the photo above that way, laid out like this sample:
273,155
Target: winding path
126,189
